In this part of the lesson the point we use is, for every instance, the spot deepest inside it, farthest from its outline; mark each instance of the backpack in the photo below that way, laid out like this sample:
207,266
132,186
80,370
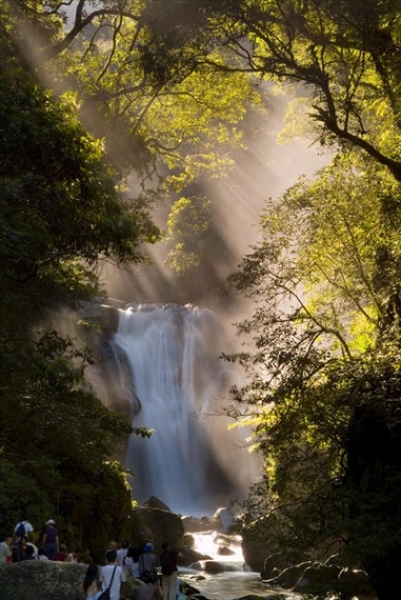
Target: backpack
167,563
20,532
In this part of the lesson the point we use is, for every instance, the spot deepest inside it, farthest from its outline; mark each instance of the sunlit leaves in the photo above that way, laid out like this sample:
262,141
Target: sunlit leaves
188,228
324,338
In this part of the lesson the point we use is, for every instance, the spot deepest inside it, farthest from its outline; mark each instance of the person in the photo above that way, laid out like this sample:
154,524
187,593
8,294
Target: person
20,548
168,562
28,553
50,541
122,552
86,557
151,590
131,562
62,554
112,546
74,556
112,573
22,529
42,554
90,586
148,562
6,552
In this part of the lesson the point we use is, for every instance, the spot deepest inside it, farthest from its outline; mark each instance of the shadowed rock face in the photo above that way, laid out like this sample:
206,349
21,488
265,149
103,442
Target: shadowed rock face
40,580
151,524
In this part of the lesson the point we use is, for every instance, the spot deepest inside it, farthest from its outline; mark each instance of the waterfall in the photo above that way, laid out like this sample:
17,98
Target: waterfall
178,382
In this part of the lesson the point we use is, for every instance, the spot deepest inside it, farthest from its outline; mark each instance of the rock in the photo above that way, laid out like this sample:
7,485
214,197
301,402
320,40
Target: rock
154,502
355,583
256,545
190,556
289,576
225,519
318,578
225,551
260,541
193,525
130,589
213,567
41,579
273,565
157,526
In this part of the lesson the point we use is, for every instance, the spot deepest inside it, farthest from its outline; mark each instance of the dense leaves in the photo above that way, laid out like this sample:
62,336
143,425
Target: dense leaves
56,441
323,365
61,213
59,200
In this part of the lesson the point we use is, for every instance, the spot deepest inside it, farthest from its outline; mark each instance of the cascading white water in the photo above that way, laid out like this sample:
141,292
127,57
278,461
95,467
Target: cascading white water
178,379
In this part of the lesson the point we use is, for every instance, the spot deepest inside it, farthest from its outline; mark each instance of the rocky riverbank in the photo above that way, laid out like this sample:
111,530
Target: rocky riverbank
48,580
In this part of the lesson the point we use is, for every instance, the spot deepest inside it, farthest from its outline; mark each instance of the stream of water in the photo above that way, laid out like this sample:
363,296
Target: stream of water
192,462
238,581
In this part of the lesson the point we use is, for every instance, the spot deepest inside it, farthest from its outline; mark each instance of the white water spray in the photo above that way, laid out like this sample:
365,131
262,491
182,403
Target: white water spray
178,380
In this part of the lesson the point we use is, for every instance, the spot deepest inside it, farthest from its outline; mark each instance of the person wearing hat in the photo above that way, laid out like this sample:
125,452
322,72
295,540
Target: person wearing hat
148,563
50,541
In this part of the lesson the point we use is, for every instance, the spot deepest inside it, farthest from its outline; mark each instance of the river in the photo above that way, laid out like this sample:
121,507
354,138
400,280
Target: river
230,585
237,581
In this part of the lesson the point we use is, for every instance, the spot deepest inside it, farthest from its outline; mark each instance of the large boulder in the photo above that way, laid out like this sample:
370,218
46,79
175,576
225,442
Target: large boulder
320,579
41,579
48,580
156,525
289,576
258,543
188,555
273,565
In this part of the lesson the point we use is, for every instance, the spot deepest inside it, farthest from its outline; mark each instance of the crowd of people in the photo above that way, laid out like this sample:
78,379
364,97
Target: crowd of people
20,545
158,572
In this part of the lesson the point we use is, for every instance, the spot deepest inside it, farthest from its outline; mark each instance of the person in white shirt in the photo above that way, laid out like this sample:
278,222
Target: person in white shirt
122,553
28,530
107,577
131,562
5,550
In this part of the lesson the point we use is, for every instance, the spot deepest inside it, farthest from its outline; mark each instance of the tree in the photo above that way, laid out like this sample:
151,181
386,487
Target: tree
163,114
61,213
56,444
323,376
60,206
189,224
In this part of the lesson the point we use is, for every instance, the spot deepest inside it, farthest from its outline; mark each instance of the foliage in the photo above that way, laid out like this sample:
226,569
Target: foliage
61,214
165,88
60,206
165,112
56,440
189,230
323,362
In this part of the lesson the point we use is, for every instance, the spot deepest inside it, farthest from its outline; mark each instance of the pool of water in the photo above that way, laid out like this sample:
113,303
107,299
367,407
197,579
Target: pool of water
230,585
